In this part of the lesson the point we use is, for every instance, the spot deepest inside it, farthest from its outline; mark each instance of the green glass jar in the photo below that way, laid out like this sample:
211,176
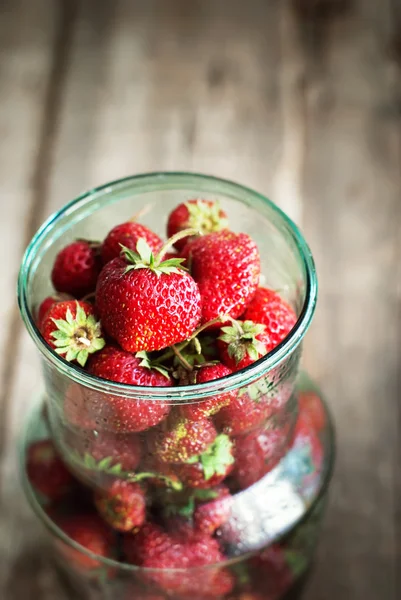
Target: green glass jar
284,465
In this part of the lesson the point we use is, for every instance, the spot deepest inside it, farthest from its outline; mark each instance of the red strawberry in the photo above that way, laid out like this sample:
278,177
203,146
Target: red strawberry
241,343
183,439
70,328
148,541
210,406
123,449
146,304
311,403
122,506
47,303
274,574
128,234
76,269
167,561
212,514
243,414
88,531
268,308
258,453
118,414
203,215
226,267
46,471
209,468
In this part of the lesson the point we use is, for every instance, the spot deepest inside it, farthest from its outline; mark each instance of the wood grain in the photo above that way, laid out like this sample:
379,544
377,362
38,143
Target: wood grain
352,215
299,100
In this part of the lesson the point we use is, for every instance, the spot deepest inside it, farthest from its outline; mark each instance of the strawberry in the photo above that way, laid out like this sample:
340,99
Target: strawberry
89,531
269,309
258,453
241,343
274,574
121,449
147,304
122,506
128,234
226,267
166,555
151,539
76,269
212,514
310,403
183,439
203,215
70,328
209,468
212,405
46,471
118,414
243,414
47,303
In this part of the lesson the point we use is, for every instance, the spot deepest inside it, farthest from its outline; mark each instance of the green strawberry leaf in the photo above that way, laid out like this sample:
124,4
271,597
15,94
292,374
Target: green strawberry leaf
217,457
148,364
206,494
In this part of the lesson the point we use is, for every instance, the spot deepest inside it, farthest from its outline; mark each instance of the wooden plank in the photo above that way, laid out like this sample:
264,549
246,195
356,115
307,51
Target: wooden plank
165,85
31,59
352,215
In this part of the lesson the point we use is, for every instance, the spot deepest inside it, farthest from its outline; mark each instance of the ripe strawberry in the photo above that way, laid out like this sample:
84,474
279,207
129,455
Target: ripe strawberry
183,439
70,328
76,269
88,531
310,403
122,506
241,343
118,414
205,216
226,267
268,308
212,405
47,303
121,449
128,234
274,575
146,304
167,561
258,453
212,514
243,414
148,541
209,468
46,471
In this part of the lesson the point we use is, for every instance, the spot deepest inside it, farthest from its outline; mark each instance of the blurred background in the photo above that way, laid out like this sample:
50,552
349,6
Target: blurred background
299,99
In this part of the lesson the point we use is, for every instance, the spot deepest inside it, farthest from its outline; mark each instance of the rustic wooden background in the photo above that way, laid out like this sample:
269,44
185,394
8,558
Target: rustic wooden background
298,99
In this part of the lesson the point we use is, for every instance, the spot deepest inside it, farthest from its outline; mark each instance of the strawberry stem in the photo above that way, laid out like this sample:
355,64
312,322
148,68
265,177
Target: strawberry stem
172,351
141,213
182,360
175,485
171,241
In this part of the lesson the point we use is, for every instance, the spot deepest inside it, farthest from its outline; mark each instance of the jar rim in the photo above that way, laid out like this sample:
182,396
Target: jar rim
163,181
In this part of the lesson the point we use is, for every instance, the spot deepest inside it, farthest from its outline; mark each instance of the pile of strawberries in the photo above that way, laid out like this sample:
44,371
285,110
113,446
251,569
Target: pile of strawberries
137,311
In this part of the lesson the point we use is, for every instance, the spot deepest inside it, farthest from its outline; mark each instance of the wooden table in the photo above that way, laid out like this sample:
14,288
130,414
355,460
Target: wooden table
304,106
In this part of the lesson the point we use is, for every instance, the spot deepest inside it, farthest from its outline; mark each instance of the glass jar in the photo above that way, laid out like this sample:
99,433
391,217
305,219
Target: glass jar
276,473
